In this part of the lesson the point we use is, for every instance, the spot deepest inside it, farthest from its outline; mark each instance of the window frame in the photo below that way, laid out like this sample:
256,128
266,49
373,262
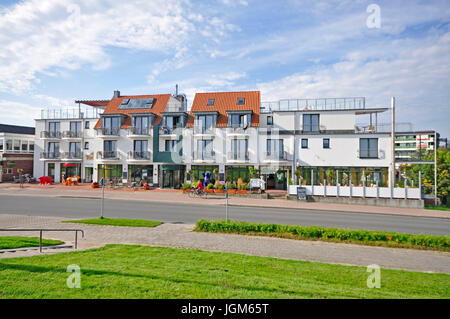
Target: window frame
327,146
369,151
309,123
303,145
271,120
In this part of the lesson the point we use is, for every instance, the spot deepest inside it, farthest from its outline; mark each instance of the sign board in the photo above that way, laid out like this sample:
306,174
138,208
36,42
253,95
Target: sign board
269,169
255,183
301,193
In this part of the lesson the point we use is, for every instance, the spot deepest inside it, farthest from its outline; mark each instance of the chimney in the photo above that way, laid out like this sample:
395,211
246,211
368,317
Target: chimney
116,94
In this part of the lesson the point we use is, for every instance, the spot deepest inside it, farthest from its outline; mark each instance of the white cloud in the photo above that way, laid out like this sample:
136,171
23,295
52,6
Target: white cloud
18,113
38,36
226,79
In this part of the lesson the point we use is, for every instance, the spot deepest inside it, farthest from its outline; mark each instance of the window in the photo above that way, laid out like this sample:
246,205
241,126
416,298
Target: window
210,102
368,148
86,125
53,150
111,122
239,149
24,146
171,146
74,149
144,103
205,123
241,101
304,143
53,126
270,120
310,122
17,145
204,149
31,146
75,127
140,146
109,147
240,120
86,145
9,145
326,143
1,144
275,148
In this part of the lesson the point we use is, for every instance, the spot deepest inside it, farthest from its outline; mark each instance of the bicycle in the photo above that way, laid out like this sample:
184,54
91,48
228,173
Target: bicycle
194,193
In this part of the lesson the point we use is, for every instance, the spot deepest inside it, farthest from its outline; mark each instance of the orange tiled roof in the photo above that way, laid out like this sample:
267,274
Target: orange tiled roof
226,101
159,106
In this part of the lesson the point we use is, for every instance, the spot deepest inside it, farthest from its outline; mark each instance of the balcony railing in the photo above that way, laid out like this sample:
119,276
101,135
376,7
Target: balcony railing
204,156
166,130
380,154
238,130
71,134
144,156
108,131
50,134
204,130
144,131
108,155
50,155
241,157
276,156
325,104
71,113
71,155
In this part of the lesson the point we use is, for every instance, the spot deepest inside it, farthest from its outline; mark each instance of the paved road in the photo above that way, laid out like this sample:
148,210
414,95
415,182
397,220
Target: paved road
173,212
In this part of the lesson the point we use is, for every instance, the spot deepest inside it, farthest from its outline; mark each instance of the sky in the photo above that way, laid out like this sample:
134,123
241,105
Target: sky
53,52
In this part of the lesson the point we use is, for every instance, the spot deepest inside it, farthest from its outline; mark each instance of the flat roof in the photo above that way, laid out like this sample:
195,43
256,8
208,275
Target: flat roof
16,129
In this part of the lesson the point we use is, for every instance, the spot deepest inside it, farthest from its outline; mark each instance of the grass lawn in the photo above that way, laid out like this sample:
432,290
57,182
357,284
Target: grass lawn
437,207
21,242
117,222
128,271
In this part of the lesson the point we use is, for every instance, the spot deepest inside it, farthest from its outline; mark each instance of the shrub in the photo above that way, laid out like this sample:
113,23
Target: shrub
231,186
186,186
210,186
221,186
379,238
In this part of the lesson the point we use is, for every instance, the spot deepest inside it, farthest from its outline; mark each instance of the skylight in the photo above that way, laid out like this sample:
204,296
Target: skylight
210,102
241,101
146,103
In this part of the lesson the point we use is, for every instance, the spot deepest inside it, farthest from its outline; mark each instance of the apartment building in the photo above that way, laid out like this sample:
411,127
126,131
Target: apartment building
154,138
412,146
65,141
16,151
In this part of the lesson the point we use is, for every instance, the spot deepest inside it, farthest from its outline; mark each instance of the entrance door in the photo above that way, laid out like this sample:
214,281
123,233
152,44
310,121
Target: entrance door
280,180
167,179
88,171
51,171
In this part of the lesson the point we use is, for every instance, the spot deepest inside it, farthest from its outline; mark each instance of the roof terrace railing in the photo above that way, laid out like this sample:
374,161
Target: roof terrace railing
324,104
74,113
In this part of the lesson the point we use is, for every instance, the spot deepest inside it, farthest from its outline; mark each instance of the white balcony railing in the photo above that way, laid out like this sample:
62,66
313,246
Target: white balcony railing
110,155
108,131
238,156
139,156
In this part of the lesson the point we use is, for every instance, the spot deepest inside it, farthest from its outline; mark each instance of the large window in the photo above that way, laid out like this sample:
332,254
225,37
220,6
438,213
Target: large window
53,150
240,120
53,126
204,149
310,122
141,124
239,149
75,149
75,127
270,120
140,149
205,123
171,146
109,148
368,148
275,148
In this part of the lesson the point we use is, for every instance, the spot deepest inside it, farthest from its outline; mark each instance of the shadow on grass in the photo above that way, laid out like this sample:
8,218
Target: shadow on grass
92,272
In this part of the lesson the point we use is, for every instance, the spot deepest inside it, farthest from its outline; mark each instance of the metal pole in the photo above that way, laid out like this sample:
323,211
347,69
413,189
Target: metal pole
40,241
226,201
435,168
103,190
76,238
392,166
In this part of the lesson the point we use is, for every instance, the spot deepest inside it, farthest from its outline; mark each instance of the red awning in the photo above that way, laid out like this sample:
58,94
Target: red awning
70,165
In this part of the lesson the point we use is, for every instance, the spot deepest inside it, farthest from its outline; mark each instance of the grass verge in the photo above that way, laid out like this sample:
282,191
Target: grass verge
362,237
116,222
12,242
128,271
444,208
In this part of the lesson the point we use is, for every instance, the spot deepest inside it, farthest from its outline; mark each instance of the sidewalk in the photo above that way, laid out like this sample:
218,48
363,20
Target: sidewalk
182,236
160,195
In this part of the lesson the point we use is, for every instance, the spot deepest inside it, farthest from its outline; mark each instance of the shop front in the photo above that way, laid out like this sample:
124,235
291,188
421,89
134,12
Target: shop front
110,172
140,173
276,177
70,170
171,176
356,176
197,171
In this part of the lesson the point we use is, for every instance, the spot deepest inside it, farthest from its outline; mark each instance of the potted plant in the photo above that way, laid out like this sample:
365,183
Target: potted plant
145,186
186,187
231,188
94,185
209,188
220,189
243,188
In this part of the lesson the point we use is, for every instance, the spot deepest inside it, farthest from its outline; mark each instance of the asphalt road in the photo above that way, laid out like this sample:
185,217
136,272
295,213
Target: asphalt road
182,213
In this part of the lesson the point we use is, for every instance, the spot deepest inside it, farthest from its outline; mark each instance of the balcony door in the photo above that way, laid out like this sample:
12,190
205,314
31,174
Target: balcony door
140,149
74,149
141,124
75,128
109,148
53,149
275,148
239,149
204,149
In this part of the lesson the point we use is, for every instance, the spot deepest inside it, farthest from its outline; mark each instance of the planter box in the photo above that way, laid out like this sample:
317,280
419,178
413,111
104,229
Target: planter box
242,192
186,190
219,191
94,185
231,191
209,190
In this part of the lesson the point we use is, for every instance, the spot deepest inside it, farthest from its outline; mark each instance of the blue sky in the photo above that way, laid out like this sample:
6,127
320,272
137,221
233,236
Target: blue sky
56,51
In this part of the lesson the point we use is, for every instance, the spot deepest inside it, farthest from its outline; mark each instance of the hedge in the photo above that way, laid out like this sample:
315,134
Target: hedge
367,237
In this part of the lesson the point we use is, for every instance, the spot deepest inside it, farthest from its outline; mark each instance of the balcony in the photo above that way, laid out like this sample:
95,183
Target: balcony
71,135
238,130
139,131
108,132
77,113
55,135
166,130
204,156
238,157
139,156
50,156
371,154
312,129
71,155
110,155
323,104
276,156
201,130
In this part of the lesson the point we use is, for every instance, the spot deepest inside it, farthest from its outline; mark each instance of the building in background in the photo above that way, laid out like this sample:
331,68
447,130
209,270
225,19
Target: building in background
410,146
16,151
65,141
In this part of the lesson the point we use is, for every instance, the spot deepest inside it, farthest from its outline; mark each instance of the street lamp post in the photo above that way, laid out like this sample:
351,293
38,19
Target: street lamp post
103,191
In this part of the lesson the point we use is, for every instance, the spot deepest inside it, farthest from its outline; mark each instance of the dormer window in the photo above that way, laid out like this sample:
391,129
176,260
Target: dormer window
241,101
210,102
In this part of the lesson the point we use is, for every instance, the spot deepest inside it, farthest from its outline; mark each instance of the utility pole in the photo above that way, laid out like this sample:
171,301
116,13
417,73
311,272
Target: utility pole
103,191
436,142
226,201
392,166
